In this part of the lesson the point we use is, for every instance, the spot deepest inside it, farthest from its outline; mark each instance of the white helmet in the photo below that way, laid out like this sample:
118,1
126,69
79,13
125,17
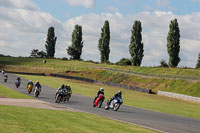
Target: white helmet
30,81
102,89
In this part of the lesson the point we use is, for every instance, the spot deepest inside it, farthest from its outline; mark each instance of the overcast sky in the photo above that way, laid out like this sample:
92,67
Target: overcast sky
24,25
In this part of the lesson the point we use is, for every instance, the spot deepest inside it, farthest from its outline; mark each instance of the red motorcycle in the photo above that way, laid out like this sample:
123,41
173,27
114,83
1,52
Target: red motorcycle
5,79
98,102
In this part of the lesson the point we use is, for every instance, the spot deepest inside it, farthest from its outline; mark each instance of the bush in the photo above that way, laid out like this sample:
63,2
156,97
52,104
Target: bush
124,62
163,63
64,58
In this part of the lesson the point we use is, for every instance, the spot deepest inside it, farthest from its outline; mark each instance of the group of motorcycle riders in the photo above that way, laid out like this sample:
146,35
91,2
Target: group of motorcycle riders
67,89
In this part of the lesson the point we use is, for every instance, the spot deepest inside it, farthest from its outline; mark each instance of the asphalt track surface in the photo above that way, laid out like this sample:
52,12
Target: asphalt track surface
146,118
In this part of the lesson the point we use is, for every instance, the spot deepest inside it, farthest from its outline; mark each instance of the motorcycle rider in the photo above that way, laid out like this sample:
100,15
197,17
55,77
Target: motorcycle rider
68,89
118,94
3,71
18,79
30,83
101,91
62,87
38,86
18,82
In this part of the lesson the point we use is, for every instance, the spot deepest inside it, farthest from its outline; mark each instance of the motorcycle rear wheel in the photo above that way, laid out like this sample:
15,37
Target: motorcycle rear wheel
100,103
116,106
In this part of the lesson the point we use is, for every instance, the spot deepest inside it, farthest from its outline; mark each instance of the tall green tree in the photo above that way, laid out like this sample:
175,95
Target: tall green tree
75,50
173,43
104,42
198,62
136,47
50,42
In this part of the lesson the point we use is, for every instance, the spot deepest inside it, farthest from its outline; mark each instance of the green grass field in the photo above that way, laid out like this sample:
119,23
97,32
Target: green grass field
131,98
101,72
10,93
30,120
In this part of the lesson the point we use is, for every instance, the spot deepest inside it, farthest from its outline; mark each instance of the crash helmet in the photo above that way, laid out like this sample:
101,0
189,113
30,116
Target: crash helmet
102,89
119,93
37,82
68,85
30,81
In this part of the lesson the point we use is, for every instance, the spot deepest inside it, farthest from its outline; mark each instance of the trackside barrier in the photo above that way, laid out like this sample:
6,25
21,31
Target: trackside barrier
179,96
39,74
104,83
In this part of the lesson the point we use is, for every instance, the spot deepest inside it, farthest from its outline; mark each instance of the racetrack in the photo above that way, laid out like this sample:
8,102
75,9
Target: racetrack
155,120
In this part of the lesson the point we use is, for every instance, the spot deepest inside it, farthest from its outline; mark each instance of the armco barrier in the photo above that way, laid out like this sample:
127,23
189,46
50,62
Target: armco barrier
179,96
104,83
39,74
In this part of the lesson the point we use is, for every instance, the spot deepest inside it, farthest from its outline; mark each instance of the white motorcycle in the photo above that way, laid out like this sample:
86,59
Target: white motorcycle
115,104
37,91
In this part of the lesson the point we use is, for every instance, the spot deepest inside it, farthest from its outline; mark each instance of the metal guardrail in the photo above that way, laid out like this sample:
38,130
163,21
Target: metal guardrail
25,73
144,90
179,96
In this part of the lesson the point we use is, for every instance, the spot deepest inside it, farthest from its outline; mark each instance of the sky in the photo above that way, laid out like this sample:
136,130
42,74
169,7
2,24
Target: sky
24,25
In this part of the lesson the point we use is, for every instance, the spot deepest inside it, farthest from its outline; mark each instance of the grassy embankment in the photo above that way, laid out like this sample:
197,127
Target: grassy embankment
100,72
131,98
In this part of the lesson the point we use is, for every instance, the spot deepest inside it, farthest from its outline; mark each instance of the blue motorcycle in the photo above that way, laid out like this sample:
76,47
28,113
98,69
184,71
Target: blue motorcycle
114,104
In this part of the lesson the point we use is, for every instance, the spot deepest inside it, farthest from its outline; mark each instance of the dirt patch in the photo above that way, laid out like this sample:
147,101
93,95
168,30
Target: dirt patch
34,104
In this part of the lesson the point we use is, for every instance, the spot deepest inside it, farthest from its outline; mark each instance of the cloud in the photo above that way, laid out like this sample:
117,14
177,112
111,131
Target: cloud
85,3
24,28
18,4
155,30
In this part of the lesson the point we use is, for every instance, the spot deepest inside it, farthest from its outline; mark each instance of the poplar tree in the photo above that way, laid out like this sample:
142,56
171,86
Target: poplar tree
75,50
173,43
136,49
104,42
198,62
50,42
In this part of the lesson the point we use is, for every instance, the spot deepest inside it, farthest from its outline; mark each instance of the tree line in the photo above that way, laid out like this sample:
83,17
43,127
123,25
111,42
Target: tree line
136,46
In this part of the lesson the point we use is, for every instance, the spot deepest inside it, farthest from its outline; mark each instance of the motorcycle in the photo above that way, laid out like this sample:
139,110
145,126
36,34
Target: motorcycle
29,88
17,84
68,95
5,79
115,104
37,91
98,102
60,96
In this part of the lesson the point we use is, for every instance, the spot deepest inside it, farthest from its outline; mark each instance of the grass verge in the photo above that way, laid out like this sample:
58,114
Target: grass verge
31,120
131,98
10,93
